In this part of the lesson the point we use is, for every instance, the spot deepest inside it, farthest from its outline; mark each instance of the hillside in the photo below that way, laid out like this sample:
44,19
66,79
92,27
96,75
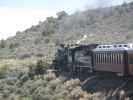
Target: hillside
103,25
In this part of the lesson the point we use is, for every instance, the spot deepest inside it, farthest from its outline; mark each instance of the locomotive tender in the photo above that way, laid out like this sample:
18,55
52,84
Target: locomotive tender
115,58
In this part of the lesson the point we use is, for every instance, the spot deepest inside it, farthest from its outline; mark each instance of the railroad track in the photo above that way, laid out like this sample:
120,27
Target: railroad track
112,87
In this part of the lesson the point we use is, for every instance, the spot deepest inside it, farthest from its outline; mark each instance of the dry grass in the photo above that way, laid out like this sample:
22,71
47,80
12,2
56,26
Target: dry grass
17,63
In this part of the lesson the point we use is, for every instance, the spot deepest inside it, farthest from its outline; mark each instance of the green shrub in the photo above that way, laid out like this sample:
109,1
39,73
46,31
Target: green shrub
47,40
37,41
2,44
40,64
13,45
50,26
49,30
57,42
3,71
130,27
39,55
37,69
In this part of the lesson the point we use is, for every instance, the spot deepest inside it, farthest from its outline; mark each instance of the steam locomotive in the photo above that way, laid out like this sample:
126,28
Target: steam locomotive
115,58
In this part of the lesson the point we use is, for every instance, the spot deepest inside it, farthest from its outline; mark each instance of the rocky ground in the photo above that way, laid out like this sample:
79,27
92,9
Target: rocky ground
16,84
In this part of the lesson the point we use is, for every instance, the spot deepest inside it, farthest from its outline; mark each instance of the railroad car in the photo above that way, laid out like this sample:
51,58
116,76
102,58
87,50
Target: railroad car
115,58
130,61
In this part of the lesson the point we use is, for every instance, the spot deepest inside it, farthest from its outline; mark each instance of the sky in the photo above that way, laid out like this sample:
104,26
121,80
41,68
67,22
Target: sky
18,15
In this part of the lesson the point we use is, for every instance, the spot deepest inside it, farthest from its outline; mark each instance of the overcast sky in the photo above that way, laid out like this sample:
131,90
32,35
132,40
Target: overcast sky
17,15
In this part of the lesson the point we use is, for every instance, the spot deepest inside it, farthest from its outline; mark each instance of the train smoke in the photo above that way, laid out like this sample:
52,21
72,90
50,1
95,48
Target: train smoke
91,4
82,39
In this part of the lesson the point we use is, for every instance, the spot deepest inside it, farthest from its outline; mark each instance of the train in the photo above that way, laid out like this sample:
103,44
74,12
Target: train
112,58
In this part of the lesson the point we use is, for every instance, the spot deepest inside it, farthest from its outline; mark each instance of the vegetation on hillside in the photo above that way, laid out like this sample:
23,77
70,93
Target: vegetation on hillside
103,25
17,84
